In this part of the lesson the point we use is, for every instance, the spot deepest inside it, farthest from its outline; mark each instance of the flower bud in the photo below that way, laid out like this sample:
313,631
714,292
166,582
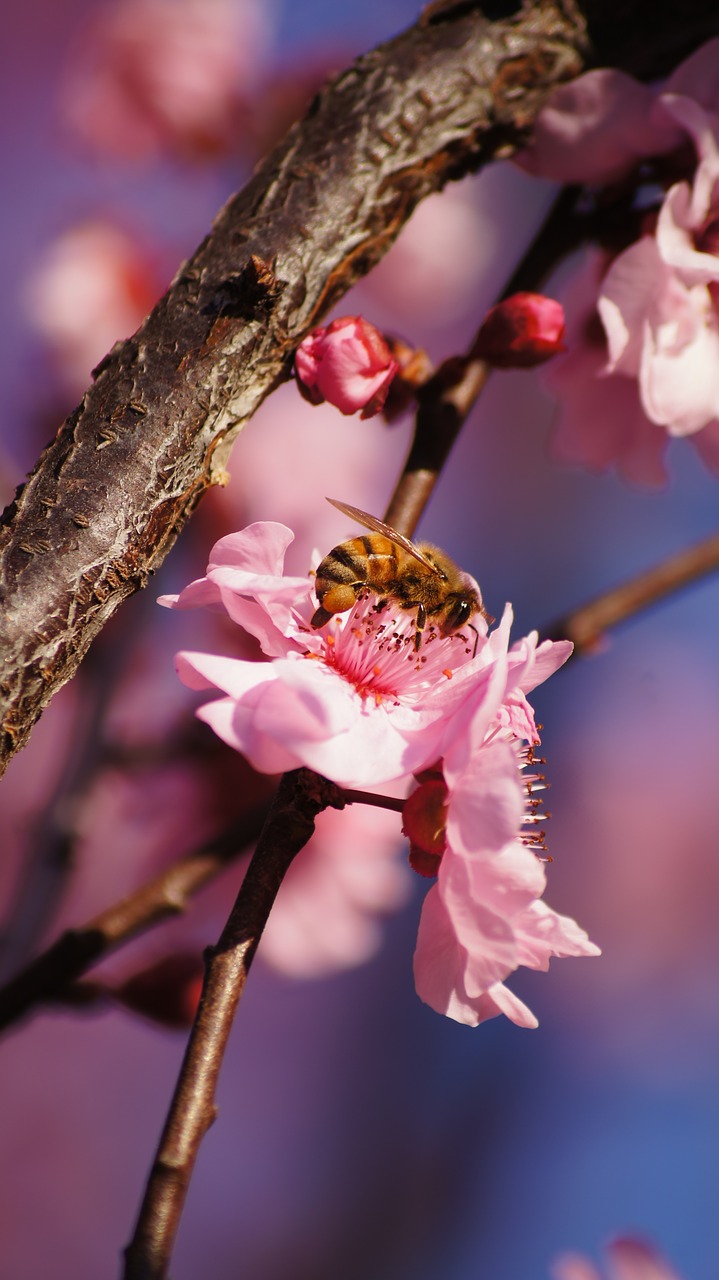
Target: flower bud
424,819
523,330
167,991
348,363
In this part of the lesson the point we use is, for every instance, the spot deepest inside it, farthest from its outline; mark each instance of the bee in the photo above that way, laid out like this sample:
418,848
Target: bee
417,577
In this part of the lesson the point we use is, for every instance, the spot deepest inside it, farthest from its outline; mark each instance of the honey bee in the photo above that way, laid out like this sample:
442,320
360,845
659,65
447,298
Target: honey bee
417,577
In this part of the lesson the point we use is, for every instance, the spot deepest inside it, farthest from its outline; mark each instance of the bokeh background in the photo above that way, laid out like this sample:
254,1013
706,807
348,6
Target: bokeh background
359,1133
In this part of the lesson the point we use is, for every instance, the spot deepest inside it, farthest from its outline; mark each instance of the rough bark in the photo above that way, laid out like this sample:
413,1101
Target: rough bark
109,496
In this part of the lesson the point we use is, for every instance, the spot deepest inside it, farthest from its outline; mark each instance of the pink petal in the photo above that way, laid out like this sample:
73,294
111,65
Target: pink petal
679,379
486,801
597,128
633,1259
697,76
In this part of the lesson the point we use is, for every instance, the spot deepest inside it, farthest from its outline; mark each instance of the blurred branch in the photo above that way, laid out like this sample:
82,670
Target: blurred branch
48,977
448,397
587,625
110,494
301,795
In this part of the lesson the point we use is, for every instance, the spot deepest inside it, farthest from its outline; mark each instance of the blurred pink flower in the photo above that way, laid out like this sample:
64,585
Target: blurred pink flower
94,285
154,75
483,918
598,128
658,299
348,363
327,914
658,359
521,331
600,421
629,1259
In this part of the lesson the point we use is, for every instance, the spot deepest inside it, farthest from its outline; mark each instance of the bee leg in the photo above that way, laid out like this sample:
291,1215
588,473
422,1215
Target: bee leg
320,617
421,623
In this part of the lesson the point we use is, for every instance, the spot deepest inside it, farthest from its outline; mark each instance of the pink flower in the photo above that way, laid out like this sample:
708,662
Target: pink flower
354,699
327,916
348,363
656,365
658,299
629,1259
522,331
155,75
357,701
484,918
598,128
94,285
600,422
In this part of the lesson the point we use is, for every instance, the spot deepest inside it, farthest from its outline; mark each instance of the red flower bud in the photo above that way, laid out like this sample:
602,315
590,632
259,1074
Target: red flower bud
348,363
167,991
521,331
423,821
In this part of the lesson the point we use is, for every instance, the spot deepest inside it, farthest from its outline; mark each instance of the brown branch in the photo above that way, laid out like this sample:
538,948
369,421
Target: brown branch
109,496
301,795
587,625
448,397
48,977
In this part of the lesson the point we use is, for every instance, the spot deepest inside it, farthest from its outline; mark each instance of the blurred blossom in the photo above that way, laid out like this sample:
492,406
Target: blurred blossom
166,991
523,330
628,1258
656,299
93,287
600,422
166,75
600,127
348,363
326,916
435,267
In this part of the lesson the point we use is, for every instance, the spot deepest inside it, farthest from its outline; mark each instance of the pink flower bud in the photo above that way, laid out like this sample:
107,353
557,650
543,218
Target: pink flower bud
348,363
521,331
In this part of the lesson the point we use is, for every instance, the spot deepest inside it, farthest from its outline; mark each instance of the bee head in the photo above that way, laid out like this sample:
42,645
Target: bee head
460,609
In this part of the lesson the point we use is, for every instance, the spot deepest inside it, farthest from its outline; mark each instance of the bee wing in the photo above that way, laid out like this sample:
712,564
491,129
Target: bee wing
379,526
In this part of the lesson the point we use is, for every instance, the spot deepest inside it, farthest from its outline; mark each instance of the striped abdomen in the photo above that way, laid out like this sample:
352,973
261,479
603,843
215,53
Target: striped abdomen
352,567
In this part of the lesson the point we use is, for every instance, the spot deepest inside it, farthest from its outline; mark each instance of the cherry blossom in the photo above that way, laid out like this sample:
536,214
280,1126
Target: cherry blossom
348,363
360,702
353,699
484,918
655,355
629,1259
93,285
151,76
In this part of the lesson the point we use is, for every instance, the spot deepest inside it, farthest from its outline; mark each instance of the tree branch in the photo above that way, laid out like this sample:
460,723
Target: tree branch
587,625
48,977
109,496
300,796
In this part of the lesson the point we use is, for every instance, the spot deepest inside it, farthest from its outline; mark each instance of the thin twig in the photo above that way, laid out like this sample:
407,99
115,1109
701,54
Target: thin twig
48,977
587,625
300,796
448,397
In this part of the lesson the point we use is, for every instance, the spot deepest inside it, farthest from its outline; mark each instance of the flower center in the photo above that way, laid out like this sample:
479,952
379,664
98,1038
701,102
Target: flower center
375,648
